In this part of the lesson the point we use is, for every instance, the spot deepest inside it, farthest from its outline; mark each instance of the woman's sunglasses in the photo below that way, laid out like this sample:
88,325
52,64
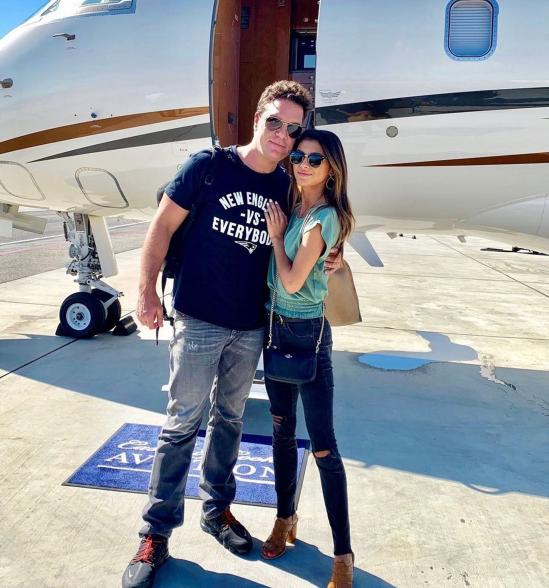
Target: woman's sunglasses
273,124
313,159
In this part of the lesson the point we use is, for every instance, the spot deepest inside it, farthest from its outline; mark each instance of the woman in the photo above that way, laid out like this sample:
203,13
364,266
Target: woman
321,219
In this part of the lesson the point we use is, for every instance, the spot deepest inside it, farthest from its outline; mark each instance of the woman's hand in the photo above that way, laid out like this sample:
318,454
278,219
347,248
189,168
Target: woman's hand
276,221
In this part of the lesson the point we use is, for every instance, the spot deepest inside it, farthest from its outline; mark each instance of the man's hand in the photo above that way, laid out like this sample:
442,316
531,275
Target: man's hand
149,309
167,219
334,261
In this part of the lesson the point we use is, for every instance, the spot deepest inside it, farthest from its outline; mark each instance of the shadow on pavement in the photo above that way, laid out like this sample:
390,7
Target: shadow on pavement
306,562
181,573
442,419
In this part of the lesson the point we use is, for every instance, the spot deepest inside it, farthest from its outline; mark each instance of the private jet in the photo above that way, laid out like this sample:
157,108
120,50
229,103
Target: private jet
442,107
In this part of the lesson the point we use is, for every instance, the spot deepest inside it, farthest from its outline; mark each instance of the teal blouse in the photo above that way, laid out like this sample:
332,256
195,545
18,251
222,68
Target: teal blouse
307,303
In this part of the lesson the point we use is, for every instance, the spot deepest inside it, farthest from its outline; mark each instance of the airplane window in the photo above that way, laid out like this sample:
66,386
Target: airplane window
51,8
62,8
44,9
96,2
101,5
72,7
471,29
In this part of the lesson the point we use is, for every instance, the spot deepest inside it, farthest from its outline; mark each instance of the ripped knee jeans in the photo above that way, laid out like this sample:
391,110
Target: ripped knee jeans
317,399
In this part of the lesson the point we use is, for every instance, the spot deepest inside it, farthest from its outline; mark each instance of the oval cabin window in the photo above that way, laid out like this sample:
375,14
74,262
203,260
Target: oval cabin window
471,29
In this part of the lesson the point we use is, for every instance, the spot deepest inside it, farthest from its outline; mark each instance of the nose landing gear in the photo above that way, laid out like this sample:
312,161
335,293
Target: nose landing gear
96,307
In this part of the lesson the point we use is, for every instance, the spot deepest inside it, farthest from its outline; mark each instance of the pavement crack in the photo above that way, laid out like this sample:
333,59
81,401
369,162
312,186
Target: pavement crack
488,370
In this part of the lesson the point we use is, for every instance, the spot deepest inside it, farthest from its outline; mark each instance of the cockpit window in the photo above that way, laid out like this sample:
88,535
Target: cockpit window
45,8
63,8
51,8
85,2
100,5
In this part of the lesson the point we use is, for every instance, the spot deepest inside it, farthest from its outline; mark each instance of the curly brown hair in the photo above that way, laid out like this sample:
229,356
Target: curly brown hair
287,90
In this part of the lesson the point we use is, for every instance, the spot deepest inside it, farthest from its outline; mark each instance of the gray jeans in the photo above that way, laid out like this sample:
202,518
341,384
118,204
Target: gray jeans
206,361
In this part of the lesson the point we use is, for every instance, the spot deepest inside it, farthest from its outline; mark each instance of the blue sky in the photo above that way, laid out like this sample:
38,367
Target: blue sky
14,12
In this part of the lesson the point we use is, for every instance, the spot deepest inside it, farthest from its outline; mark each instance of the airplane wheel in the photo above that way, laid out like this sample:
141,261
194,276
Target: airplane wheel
82,315
114,312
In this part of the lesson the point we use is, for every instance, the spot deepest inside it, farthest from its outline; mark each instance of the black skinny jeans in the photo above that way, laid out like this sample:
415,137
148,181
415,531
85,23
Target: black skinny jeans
317,399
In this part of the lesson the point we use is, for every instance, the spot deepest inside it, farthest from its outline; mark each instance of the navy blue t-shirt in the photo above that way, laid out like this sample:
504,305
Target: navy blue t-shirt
223,272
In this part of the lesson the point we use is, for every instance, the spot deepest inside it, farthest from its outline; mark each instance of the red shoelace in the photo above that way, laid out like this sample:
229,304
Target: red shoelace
146,551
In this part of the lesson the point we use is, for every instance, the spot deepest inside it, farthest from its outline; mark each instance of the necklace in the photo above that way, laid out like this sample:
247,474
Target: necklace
303,214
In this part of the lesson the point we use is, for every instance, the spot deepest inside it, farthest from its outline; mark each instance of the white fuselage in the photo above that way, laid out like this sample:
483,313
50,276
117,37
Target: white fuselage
96,124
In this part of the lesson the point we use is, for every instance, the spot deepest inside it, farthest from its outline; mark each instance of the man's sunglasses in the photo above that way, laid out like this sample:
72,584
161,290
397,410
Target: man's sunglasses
313,159
273,124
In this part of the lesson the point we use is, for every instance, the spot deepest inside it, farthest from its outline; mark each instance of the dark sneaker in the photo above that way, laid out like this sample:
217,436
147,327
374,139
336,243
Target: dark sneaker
229,532
152,553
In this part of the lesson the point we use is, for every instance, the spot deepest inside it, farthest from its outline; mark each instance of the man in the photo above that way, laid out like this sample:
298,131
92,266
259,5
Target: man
219,297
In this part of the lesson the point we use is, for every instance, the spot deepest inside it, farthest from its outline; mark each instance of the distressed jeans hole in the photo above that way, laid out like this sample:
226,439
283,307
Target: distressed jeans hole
323,453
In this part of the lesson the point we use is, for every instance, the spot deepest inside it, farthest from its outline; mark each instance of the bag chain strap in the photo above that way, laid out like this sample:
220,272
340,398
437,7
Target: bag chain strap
273,303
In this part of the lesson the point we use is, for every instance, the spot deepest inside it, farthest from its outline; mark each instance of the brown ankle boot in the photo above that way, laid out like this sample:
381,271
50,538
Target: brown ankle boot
342,572
284,530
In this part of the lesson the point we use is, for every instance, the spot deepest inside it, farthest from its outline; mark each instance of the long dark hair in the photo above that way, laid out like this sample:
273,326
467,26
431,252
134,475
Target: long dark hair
336,191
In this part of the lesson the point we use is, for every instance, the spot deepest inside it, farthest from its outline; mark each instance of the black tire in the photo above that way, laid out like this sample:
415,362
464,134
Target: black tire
81,315
113,313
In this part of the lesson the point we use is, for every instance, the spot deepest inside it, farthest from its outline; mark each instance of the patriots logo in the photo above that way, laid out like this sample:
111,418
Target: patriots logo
250,247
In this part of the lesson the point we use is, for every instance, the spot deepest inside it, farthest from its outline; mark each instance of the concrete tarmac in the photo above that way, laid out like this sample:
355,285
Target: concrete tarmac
441,414
25,254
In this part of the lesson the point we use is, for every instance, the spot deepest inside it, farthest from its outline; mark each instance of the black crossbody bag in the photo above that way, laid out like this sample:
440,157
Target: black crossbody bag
291,367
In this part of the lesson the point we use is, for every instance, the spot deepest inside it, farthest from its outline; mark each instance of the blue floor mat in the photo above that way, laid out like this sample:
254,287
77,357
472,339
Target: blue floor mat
124,463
